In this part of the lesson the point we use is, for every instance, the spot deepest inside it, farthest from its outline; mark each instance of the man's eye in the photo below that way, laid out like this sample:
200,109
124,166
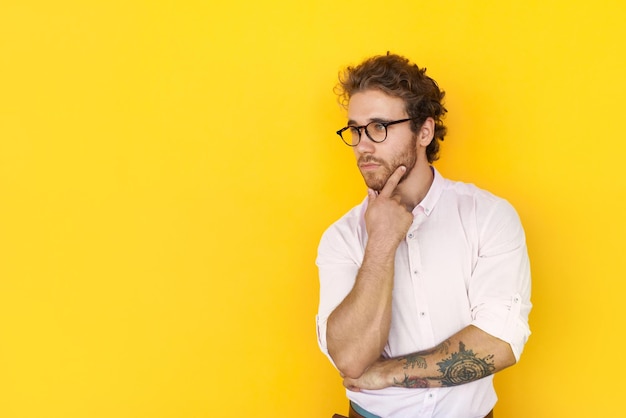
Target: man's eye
378,127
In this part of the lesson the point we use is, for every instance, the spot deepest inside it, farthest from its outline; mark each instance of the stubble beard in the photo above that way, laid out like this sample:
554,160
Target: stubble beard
387,168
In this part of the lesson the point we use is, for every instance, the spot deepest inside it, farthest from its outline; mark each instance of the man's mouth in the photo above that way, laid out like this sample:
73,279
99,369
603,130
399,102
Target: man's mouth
369,164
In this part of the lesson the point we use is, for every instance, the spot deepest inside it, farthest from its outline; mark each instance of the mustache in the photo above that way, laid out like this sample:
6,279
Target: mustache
370,159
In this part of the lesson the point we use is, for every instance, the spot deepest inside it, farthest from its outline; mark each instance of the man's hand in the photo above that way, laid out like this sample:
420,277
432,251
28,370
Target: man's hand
386,219
375,377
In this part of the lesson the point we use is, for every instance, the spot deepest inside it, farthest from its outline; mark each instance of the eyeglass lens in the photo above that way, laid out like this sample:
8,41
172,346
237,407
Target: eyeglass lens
376,131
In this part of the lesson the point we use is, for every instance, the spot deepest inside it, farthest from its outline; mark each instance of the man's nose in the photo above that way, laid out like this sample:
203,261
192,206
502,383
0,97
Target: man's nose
365,145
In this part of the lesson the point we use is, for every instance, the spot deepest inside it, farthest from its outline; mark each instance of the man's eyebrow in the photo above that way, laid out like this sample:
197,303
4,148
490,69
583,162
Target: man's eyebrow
370,120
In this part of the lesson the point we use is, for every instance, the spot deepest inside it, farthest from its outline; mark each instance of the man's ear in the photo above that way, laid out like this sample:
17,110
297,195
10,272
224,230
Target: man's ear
426,132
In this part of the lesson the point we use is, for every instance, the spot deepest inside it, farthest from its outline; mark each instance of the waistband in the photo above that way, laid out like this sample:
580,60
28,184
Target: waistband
357,412
362,413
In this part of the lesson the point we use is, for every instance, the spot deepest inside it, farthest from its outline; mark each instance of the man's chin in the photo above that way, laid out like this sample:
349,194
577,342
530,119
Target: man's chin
377,183
374,183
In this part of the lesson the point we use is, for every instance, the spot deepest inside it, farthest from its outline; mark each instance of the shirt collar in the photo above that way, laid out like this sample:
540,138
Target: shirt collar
430,200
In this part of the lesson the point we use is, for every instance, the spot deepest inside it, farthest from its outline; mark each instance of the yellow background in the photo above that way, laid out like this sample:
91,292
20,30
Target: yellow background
167,168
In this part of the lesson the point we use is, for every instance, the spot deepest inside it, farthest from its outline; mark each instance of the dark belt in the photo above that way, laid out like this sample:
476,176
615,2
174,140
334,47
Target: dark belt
354,414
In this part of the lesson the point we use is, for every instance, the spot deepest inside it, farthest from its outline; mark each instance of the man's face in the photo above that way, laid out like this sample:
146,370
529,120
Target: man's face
377,161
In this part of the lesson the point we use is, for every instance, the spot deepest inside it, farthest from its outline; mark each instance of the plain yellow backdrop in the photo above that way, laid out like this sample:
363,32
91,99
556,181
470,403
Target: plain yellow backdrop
167,168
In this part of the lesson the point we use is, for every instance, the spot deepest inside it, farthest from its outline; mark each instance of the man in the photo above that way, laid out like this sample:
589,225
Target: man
424,286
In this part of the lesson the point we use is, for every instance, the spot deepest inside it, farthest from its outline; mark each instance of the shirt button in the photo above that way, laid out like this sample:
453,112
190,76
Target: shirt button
422,314
415,272
410,235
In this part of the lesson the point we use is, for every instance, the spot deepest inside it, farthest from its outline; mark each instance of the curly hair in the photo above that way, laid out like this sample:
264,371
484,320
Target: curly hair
396,76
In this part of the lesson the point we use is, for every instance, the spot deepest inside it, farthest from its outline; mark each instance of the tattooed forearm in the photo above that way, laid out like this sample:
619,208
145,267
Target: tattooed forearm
414,360
464,367
411,382
419,359
459,368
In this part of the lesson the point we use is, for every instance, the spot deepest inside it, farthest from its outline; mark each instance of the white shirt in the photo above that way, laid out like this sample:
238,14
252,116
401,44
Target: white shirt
463,262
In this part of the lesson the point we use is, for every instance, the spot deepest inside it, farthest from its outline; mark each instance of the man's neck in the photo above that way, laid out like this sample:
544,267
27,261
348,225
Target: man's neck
416,185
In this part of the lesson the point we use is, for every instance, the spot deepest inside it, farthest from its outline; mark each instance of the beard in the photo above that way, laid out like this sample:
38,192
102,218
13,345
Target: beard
376,181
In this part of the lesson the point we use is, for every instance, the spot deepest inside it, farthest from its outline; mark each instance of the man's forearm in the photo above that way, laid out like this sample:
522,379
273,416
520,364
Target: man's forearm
467,356
358,328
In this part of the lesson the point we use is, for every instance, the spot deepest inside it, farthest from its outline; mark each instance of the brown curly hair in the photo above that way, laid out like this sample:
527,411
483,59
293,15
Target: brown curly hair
396,76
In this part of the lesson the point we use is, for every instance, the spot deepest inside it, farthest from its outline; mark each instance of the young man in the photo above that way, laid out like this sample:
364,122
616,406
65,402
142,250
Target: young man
424,286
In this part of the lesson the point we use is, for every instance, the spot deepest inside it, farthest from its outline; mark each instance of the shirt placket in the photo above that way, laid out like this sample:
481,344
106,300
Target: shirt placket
424,325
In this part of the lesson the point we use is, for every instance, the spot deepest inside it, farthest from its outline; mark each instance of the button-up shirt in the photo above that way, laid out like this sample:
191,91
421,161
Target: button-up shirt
463,262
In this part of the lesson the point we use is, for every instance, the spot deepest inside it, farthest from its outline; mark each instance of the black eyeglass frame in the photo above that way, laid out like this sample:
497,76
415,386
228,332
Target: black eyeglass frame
364,127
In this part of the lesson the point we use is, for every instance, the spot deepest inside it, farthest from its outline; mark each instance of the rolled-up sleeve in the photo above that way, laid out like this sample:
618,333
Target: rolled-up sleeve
499,289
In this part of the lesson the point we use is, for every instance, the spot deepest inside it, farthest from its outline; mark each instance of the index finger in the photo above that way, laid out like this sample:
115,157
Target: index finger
392,181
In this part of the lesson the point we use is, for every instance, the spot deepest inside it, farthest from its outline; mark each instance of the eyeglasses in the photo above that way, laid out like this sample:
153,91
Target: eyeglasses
376,131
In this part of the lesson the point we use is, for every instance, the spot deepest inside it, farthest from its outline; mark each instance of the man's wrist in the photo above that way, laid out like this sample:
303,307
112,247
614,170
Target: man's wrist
390,372
381,249
399,376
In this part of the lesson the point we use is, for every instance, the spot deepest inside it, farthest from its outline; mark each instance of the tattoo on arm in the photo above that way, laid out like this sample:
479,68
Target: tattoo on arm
413,360
460,368
464,367
412,382
419,359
